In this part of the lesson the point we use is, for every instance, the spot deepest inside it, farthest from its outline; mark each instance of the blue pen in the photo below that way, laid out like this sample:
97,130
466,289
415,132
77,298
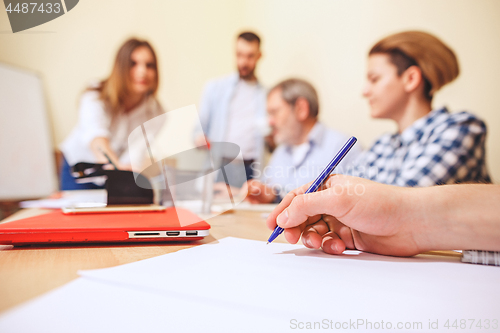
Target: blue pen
321,178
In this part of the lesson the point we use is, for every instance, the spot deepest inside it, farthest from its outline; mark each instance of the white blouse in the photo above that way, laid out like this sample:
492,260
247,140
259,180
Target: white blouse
94,121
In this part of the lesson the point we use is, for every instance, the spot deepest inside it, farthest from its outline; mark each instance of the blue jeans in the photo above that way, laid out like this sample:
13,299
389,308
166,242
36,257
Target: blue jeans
67,181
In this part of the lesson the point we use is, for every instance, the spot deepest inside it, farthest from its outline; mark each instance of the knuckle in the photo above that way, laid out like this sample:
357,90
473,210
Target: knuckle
345,232
297,203
290,196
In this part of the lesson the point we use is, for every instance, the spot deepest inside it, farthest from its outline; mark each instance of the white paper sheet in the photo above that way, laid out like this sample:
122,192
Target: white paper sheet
293,281
276,287
87,306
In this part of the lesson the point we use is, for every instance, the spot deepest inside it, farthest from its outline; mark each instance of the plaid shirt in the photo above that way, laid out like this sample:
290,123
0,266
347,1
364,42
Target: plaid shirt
440,148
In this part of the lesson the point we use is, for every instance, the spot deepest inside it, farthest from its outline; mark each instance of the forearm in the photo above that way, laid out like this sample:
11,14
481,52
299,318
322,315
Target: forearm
457,217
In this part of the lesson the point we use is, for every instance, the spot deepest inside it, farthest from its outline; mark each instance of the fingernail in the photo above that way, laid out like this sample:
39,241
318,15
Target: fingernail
307,242
283,218
334,247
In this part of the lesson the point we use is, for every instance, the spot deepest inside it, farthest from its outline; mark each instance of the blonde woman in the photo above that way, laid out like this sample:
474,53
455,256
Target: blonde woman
431,145
110,110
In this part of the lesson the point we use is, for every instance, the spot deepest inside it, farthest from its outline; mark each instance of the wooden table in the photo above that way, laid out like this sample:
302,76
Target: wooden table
27,272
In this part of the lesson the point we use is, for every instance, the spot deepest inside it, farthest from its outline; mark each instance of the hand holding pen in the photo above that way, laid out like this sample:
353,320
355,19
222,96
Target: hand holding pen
321,178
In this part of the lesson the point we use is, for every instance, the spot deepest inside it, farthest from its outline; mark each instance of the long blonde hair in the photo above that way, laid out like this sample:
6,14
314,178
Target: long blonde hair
114,90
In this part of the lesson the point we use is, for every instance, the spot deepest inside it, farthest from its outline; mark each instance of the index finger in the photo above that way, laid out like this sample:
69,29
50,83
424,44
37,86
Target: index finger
271,219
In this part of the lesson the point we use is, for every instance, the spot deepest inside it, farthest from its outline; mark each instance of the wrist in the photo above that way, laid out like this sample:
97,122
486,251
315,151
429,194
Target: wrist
442,219
420,219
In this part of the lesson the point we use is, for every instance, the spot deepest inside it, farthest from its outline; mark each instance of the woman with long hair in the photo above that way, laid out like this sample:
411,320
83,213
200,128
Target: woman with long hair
110,110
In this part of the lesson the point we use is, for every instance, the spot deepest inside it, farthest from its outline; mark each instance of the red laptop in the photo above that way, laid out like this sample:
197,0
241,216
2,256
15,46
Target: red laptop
172,224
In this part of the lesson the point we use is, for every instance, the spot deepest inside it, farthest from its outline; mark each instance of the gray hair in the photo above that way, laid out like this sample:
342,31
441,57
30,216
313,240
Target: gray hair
293,89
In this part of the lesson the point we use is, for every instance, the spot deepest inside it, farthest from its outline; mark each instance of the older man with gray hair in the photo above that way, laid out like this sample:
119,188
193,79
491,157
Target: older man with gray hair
305,146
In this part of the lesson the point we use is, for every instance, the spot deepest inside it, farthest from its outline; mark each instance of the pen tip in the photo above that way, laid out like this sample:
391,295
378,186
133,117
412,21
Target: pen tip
267,243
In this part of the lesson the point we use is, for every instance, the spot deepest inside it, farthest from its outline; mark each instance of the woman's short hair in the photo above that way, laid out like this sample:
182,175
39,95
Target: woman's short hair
293,89
436,60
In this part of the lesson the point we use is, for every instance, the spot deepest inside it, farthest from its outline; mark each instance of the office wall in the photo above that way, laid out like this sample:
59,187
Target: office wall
324,41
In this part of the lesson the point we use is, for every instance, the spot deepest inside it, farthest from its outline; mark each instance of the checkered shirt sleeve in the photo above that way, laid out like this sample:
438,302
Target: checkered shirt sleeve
453,153
442,148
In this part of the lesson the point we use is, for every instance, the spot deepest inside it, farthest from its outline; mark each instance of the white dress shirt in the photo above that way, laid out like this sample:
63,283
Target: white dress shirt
293,166
242,118
94,121
214,114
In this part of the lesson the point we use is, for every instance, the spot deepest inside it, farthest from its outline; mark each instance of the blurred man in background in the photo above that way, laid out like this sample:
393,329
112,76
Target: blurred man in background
233,108
305,146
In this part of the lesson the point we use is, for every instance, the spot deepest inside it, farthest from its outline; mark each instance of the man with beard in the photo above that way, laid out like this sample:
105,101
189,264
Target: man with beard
233,108
305,146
